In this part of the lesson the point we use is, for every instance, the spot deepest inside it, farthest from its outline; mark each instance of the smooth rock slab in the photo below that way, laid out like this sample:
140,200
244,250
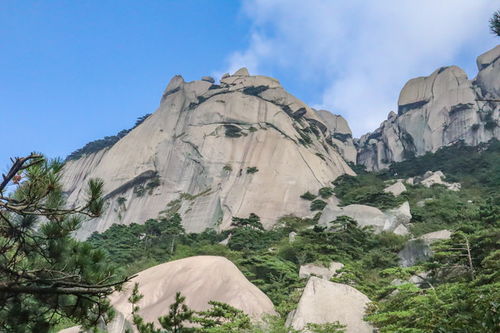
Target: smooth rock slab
327,302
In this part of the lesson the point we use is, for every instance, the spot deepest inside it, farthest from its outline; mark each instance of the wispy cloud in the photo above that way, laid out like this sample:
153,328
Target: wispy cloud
361,51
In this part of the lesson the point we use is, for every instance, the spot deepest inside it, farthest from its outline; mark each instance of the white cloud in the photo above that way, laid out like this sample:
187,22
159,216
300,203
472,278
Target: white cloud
362,52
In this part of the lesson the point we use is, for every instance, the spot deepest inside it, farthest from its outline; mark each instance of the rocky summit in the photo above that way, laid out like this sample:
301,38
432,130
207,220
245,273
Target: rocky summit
214,151
435,111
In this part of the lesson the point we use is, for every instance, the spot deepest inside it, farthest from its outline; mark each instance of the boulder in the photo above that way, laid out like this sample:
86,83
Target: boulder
200,279
431,178
489,71
396,189
324,302
208,79
394,220
320,271
241,72
419,249
291,237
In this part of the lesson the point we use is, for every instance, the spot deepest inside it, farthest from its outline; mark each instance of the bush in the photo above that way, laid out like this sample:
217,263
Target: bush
308,196
251,170
326,192
232,131
318,204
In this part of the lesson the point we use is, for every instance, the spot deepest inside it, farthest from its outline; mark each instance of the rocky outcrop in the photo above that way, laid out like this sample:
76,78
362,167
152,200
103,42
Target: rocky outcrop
431,178
211,152
395,220
419,249
435,111
396,189
323,272
324,302
341,135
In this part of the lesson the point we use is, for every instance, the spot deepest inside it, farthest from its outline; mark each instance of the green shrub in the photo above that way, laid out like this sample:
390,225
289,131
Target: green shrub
308,196
251,170
318,204
232,131
365,189
326,192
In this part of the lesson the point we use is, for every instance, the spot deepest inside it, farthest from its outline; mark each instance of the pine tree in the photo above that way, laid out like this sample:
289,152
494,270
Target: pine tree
45,274
495,23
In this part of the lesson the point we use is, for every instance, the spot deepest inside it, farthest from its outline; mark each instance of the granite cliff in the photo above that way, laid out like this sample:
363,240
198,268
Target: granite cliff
436,111
214,151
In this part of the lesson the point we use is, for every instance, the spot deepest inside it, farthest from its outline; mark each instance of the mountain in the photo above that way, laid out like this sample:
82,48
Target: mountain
214,151
435,111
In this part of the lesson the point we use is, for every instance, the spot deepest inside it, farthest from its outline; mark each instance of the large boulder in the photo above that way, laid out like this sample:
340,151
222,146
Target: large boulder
435,111
431,178
396,189
324,302
489,71
395,220
200,279
192,156
419,249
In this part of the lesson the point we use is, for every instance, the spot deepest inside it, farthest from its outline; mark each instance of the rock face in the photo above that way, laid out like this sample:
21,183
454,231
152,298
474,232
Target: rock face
419,249
320,271
341,135
436,111
395,220
211,152
326,302
200,279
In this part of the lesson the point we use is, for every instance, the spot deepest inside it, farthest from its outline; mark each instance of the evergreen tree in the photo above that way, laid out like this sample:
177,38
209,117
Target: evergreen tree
45,274
495,23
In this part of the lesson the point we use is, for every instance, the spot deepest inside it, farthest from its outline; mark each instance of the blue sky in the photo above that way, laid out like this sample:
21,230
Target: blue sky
75,71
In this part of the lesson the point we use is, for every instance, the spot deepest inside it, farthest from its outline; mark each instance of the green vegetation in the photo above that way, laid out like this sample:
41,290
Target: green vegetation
47,277
227,168
308,196
251,170
232,131
318,204
325,192
108,141
365,189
